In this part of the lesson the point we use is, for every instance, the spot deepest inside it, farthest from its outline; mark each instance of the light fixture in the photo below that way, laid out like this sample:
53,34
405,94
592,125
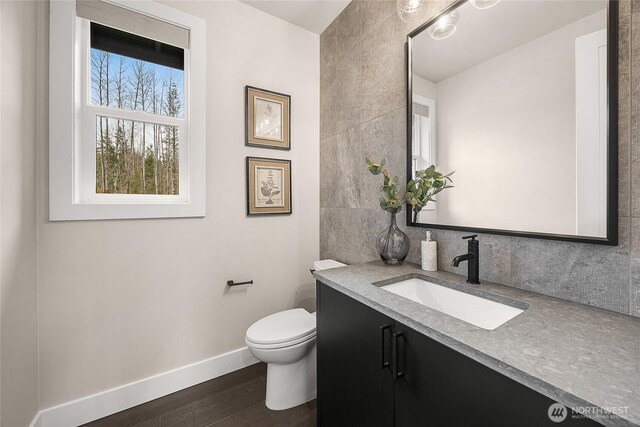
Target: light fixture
410,10
484,4
445,26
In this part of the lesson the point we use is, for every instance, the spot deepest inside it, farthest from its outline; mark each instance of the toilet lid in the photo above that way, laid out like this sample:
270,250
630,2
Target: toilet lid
281,327
326,264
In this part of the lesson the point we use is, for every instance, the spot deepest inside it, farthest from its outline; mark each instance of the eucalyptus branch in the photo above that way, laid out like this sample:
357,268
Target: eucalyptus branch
420,190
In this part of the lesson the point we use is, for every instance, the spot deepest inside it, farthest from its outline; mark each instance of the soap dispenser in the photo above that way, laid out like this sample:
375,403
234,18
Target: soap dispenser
429,252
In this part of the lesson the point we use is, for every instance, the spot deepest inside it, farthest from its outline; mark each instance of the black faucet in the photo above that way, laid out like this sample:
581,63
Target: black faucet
473,269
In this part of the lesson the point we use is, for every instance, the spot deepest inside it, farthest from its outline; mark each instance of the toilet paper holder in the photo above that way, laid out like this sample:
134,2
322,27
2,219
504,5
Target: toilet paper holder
232,283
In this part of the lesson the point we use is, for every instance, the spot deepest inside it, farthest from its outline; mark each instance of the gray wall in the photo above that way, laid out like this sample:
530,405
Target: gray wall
362,102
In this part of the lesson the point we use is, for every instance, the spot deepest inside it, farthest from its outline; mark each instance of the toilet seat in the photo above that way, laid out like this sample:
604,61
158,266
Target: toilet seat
282,329
286,344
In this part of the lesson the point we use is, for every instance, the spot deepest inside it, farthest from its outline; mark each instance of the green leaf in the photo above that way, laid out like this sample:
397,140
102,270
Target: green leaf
375,169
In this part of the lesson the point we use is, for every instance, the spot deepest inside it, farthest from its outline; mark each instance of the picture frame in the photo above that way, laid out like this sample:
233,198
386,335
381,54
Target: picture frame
267,119
268,186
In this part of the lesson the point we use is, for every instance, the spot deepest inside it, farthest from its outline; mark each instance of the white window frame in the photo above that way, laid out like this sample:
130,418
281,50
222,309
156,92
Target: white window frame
72,123
424,152
424,149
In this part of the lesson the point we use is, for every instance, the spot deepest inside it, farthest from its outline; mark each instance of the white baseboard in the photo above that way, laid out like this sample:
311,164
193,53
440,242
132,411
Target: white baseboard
117,399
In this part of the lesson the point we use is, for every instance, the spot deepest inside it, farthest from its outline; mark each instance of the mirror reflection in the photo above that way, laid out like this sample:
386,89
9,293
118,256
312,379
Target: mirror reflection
512,96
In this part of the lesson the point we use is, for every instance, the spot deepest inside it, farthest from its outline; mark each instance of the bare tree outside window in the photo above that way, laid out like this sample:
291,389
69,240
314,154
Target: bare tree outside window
136,157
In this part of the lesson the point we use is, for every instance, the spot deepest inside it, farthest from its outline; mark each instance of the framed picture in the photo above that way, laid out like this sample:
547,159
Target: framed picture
267,118
268,186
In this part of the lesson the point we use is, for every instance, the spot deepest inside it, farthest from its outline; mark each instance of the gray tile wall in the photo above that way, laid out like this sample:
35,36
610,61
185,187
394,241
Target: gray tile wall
362,113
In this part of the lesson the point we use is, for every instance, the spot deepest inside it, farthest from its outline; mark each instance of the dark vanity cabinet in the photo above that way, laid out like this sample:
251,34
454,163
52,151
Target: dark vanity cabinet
374,371
356,389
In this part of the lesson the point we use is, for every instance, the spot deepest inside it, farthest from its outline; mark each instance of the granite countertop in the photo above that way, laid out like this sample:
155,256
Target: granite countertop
578,355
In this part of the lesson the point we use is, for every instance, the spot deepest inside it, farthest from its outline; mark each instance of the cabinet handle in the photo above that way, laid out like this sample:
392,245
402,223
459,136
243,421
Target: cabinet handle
398,373
383,362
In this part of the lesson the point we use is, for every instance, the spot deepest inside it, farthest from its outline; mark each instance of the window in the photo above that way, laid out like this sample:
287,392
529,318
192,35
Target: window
136,103
126,111
424,141
424,136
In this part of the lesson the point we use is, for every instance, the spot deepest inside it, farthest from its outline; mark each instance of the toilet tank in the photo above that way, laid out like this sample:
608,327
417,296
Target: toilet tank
326,264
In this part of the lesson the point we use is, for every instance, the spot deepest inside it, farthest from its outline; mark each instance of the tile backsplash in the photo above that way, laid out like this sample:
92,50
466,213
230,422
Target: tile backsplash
362,101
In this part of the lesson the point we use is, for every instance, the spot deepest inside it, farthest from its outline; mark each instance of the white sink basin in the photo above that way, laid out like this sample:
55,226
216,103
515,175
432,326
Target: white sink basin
478,311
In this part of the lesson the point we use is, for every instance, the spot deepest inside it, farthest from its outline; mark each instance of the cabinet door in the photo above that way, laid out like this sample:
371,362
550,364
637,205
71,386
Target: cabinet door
354,389
441,387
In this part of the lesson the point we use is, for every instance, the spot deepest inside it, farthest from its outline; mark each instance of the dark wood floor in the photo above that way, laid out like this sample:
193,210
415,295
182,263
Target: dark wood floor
233,400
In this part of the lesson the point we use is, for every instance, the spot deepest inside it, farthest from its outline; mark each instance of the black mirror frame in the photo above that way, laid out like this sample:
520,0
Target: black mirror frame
611,238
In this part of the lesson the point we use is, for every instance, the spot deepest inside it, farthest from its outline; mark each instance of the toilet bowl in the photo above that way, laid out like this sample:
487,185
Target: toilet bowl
286,341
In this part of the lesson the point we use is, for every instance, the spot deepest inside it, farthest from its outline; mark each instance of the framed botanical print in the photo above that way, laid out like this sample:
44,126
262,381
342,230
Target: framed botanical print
268,186
267,118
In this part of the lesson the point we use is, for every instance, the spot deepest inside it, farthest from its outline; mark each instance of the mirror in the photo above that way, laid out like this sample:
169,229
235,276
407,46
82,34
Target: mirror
519,98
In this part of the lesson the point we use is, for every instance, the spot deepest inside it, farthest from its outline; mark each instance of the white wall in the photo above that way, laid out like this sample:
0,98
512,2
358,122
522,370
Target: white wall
123,300
424,87
515,167
18,282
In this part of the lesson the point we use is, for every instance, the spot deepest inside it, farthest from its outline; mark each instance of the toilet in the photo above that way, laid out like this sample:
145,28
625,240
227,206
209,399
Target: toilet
286,341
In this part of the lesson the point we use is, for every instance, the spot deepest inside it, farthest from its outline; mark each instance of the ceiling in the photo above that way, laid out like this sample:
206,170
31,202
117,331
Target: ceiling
312,15
484,34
